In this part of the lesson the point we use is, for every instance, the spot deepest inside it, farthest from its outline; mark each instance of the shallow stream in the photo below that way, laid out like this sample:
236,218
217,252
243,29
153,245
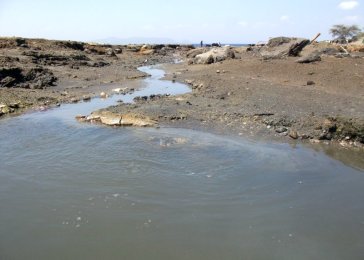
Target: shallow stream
82,191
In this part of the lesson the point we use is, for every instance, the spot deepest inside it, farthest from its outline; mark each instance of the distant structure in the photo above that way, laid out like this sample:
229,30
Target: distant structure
201,43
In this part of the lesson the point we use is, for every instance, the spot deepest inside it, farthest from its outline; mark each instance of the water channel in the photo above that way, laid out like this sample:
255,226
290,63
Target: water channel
83,191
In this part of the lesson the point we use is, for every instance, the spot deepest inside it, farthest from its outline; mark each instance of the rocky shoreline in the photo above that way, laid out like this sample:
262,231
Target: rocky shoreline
36,74
289,89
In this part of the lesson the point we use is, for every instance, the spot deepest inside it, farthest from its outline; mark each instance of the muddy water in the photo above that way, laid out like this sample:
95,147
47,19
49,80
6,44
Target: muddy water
79,191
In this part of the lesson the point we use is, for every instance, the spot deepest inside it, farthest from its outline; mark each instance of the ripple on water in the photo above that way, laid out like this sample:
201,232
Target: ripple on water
113,191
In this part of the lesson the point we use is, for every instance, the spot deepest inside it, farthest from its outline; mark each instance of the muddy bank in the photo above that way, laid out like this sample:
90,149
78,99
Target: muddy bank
37,73
266,98
288,89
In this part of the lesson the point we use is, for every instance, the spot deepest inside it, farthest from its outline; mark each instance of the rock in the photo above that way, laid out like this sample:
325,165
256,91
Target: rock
281,130
146,47
147,52
215,55
312,57
194,52
86,98
103,95
133,48
111,119
310,83
136,120
328,51
15,105
80,118
110,52
97,49
325,136
42,77
98,64
118,90
329,126
7,82
114,119
118,51
293,134
75,100
4,109
275,42
37,77
281,47
94,117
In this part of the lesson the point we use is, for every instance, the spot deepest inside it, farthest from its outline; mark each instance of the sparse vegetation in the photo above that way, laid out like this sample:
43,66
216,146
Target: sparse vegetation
344,33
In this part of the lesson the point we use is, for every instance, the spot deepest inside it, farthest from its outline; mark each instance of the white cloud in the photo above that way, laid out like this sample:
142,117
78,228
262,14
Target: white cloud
348,5
243,24
284,18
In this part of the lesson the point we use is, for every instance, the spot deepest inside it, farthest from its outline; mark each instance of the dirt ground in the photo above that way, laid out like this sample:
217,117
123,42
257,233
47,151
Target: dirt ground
81,74
249,96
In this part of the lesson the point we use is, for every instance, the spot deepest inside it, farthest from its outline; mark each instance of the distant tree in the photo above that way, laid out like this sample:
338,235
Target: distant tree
341,31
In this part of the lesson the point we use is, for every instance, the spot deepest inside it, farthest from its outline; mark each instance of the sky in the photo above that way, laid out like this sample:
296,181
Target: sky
225,21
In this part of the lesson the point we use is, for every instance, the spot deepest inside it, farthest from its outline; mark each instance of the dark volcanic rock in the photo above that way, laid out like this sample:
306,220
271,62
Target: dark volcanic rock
31,78
54,59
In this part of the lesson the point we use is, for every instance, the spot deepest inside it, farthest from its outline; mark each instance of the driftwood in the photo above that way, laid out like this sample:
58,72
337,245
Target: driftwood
315,38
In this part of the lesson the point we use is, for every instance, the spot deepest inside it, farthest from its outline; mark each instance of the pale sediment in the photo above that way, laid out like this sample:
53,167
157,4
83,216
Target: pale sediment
115,119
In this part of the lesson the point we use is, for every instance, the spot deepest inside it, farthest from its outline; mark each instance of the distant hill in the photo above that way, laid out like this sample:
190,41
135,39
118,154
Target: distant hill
134,40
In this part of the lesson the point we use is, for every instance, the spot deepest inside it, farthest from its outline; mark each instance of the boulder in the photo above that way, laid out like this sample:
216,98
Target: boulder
281,47
215,55
312,57
37,77
278,41
194,52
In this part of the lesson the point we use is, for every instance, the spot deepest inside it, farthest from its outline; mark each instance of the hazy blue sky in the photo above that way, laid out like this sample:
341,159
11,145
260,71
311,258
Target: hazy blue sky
183,20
